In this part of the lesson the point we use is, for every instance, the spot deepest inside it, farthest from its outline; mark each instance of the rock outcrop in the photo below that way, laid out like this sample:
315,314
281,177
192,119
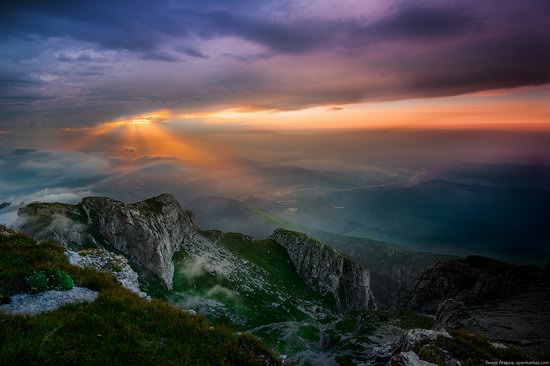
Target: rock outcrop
327,271
106,261
414,336
472,280
33,304
408,359
149,232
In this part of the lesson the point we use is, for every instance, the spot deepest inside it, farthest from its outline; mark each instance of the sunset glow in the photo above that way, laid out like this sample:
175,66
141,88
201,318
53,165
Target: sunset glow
275,182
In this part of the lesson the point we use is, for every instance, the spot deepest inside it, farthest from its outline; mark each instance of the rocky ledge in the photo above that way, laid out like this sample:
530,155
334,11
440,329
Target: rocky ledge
327,271
33,304
473,280
148,232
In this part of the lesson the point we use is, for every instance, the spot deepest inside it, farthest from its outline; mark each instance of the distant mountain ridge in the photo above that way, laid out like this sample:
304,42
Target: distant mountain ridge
300,296
438,216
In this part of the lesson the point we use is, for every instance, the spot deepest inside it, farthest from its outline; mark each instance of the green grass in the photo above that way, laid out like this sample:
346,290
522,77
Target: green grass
285,287
118,328
409,319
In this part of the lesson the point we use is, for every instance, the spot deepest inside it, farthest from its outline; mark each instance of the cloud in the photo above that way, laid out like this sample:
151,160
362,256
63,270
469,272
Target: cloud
422,21
95,61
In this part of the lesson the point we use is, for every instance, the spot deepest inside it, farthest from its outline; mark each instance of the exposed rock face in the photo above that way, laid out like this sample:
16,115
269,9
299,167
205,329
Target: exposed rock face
33,304
515,300
413,336
449,313
61,222
105,261
408,359
149,232
472,281
327,271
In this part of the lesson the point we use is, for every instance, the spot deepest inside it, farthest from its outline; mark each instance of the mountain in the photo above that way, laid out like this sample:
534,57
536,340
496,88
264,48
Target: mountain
394,269
324,269
509,303
253,285
150,239
499,175
119,327
301,297
435,216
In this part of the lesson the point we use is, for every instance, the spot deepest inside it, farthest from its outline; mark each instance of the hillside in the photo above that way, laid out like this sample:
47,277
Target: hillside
117,328
303,299
394,269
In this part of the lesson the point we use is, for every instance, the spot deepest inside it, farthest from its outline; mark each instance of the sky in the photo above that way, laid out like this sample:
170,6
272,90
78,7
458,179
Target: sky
276,63
122,90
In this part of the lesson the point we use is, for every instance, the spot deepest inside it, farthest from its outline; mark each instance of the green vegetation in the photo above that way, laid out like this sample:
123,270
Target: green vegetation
469,348
409,319
268,291
49,280
309,332
118,328
37,282
115,267
347,325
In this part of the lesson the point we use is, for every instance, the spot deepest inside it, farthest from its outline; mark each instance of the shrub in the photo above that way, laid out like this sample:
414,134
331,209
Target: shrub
61,280
37,282
49,280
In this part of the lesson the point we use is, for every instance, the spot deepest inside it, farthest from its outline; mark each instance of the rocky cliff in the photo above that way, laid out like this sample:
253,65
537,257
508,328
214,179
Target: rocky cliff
149,232
505,302
472,280
327,271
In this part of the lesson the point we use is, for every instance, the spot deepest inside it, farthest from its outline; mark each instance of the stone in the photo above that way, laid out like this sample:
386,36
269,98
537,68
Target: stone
327,271
408,359
449,313
473,280
33,304
105,261
412,336
149,232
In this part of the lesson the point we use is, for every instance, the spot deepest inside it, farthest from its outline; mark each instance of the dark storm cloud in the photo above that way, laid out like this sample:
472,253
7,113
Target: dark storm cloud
480,65
79,62
410,22
143,26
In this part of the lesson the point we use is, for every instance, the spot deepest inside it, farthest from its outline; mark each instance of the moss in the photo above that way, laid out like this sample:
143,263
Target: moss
118,328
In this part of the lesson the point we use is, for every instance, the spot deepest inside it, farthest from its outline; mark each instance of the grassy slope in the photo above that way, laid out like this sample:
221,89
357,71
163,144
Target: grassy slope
118,328
285,296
